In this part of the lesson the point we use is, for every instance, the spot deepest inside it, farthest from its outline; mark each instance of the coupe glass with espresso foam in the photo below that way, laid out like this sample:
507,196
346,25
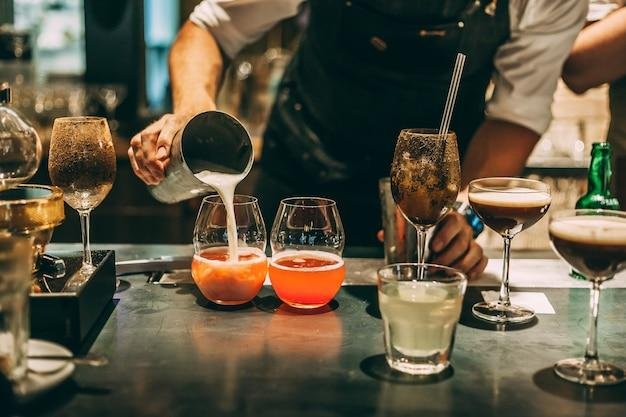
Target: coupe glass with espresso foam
508,206
593,242
82,164
425,178
221,279
307,241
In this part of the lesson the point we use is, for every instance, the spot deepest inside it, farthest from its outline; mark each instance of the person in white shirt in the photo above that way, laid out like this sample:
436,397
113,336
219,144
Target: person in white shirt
365,69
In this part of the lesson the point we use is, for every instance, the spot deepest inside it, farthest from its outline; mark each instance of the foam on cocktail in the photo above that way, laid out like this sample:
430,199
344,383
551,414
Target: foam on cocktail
511,197
592,230
242,252
301,255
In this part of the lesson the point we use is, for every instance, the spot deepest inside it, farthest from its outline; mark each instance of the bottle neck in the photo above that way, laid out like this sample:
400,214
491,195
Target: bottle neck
599,176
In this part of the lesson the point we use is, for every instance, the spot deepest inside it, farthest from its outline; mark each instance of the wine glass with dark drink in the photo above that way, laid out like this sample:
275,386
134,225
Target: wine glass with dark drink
425,178
507,206
593,242
82,164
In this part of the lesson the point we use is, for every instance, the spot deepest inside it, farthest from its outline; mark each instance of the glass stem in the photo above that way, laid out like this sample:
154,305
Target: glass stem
504,287
84,228
591,353
421,250
421,244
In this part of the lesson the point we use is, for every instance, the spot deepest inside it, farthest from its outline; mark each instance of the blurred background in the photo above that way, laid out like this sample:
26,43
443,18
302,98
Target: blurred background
109,57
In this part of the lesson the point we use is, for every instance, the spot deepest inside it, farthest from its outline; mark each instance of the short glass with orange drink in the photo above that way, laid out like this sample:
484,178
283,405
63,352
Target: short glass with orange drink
307,241
220,279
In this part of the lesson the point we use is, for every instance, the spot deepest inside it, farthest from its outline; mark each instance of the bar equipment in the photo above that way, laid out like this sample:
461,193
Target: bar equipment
63,303
28,213
20,146
210,145
32,211
400,236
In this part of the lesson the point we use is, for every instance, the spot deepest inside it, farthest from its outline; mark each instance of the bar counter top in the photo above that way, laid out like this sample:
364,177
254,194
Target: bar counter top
171,353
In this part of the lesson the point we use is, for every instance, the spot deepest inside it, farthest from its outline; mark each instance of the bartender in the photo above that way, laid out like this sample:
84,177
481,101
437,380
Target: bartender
598,57
365,69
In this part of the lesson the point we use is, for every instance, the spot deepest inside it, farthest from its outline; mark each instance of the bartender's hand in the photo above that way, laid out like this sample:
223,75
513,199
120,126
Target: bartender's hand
149,150
452,245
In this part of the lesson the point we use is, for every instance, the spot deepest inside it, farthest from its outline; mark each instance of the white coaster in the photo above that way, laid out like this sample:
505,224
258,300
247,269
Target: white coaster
535,300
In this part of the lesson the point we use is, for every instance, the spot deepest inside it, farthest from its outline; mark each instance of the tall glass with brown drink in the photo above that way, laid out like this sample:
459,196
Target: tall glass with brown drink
508,206
593,242
82,164
425,178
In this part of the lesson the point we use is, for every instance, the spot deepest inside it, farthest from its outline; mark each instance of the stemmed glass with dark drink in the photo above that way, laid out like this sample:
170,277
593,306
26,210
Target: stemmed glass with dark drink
425,178
507,206
82,164
593,242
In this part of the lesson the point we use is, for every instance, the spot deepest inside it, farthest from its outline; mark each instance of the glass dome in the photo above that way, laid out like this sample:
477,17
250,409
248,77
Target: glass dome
20,147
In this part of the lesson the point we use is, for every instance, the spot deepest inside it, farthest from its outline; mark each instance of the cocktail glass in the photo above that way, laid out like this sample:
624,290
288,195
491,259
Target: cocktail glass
593,242
420,305
82,163
220,279
507,206
425,179
307,241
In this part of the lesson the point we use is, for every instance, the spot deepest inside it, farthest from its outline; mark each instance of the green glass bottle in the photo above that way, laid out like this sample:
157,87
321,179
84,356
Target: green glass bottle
599,180
598,194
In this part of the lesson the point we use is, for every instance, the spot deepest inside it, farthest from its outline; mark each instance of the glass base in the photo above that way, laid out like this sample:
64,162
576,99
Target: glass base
496,312
229,302
413,368
305,306
592,372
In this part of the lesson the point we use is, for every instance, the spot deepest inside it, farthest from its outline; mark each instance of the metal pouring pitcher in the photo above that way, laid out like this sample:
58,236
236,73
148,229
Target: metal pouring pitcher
211,141
400,236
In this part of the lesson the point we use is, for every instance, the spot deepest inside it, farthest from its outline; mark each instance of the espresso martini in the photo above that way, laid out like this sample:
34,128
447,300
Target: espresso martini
510,210
593,245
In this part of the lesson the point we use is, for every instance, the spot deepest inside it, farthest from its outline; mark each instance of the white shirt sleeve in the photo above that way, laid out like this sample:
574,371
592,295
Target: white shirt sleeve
237,23
528,66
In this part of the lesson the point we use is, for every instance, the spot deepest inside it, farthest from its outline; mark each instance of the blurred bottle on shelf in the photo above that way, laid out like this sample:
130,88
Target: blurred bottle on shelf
598,194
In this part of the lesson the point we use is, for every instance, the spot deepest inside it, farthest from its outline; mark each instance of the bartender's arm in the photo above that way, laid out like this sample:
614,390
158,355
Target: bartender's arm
196,62
195,70
528,67
598,55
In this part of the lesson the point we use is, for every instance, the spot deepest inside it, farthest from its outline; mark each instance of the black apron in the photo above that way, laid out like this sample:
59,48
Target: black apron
364,70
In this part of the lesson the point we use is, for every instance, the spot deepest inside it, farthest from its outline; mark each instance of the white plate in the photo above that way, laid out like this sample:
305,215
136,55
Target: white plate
43,374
